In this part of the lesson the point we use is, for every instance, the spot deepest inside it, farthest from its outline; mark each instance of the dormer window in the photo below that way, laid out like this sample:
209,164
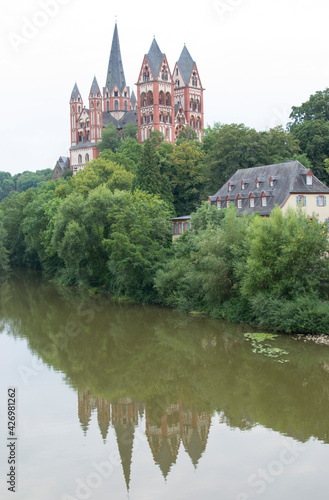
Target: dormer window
251,201
309,180
242,185
271,182
264,200
219,204
257,183
229,187
228,201
239,202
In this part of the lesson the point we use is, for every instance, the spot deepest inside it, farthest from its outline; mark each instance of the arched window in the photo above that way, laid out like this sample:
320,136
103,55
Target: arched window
146,74
194,79
149,100
116,105
162,97
87,158
98,119
79,159
192,122
143,99
168,99
107,106
126,106
198,124
177,83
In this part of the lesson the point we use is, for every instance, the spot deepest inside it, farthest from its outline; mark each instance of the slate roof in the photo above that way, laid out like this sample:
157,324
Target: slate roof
95,86
75,92
83,145
155,58
64,162
128,117
115,73
288,177
133,100
185,64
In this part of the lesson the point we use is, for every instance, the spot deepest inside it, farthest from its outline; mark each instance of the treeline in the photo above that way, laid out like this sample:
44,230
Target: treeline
22,182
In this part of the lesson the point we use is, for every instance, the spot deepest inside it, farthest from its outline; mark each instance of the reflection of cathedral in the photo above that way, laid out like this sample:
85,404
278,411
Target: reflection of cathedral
166,428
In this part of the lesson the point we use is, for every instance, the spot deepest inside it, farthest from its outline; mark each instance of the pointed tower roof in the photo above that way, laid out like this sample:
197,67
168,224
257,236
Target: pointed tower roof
155,58
94,87
133,100
186,65
115,73
125,439
75,92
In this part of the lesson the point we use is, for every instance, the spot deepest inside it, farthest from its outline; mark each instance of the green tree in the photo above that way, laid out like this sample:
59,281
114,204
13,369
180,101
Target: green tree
130,131
188,177
110,138
4,254
313,137
187,134
315,108
286,256
102,171
139,244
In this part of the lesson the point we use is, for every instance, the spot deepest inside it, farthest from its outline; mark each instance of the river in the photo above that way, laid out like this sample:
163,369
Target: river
120,401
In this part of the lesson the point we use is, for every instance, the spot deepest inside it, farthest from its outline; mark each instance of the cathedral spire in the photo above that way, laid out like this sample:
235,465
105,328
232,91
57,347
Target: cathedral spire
115,74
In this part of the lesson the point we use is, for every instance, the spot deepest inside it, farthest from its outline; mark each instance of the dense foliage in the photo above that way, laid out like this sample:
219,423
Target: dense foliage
108,228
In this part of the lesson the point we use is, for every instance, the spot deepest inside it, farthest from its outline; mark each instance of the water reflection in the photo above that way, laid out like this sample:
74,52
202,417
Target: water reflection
165,430
129,361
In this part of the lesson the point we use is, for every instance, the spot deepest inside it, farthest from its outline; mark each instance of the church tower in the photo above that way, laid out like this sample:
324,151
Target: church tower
116,93
155,96
76,105
95,113
188,95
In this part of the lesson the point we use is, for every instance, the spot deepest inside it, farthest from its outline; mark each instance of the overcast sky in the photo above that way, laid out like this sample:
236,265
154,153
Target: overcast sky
256,59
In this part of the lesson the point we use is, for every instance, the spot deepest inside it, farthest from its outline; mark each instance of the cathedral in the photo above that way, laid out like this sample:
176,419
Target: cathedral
166,101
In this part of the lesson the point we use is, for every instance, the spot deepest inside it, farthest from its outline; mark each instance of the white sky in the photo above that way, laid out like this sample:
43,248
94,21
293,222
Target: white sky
256,59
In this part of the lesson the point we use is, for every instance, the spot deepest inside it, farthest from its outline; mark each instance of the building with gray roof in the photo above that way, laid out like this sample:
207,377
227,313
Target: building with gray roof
260,189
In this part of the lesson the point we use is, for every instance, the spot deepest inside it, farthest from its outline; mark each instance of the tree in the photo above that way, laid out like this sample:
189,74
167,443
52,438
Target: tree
110,138
4,254
130,131
187,134
233,147
139,244
101,171
313,137
286,256
188,177
316,108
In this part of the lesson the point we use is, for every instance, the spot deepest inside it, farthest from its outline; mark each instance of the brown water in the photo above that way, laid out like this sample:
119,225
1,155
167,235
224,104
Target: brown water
122,401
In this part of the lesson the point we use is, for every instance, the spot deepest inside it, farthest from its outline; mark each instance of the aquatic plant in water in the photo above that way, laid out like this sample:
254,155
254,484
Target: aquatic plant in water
260,347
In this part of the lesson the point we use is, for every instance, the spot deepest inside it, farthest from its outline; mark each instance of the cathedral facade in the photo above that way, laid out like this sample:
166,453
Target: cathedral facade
166,101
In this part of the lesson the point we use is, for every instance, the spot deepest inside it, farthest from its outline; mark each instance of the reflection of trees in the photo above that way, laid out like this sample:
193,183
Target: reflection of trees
158,356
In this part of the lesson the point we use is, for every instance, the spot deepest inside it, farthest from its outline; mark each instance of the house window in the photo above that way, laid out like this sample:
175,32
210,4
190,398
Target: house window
116,105
309,180
228,203
257,183
264,201
219,205
301,201
107,106
321,201
116,94
242,185
87,158
251,202
126,106
79,159
271,182
239,203
230,187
